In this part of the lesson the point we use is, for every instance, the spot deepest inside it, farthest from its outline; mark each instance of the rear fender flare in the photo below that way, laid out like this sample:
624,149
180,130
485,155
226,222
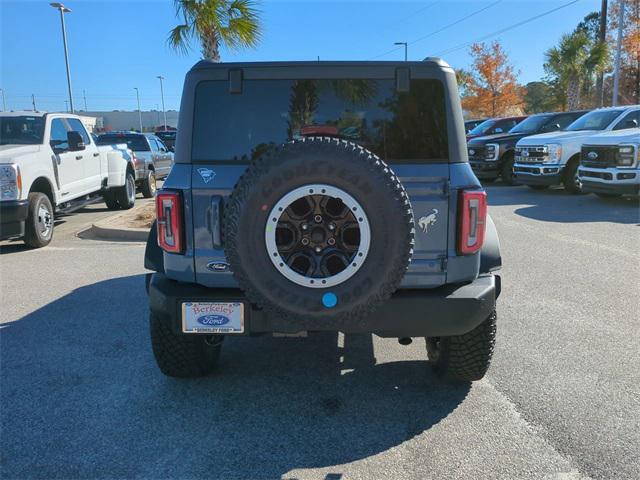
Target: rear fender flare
490,258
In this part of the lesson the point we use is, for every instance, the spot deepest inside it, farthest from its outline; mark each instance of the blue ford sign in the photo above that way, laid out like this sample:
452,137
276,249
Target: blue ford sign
215,320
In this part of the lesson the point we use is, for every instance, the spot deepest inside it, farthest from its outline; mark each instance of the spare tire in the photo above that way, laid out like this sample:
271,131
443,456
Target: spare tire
319,229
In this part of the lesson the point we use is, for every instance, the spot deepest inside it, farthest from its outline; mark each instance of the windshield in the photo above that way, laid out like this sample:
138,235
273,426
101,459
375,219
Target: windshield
597,120
483,127
137,143
21,130
531,124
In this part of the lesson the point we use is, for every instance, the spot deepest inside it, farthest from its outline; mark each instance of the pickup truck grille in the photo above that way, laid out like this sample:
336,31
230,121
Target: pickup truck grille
598,156
533,154
477,152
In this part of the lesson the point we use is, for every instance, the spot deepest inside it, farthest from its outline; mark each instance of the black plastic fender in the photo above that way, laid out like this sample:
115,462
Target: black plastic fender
490,258
153,255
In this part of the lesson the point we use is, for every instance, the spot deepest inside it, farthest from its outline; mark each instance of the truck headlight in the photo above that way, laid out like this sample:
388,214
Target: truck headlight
10,182
554,153
626,156
492,152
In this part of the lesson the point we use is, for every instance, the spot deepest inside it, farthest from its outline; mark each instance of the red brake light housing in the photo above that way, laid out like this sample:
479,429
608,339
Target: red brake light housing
472,211
170,221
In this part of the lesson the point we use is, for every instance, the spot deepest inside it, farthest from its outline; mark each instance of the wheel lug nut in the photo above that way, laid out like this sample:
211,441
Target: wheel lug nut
331,241
318,218
305,241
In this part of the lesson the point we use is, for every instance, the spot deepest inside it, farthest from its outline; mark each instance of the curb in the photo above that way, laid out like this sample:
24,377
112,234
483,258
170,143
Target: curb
106,230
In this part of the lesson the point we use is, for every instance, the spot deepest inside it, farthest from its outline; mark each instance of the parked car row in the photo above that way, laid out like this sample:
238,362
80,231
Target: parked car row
51,165
565,148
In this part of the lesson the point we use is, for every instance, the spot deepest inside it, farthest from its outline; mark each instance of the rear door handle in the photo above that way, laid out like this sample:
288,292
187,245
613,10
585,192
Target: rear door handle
78,157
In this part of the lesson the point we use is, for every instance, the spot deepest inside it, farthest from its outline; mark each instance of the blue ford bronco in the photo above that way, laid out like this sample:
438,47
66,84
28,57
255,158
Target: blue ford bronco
322,196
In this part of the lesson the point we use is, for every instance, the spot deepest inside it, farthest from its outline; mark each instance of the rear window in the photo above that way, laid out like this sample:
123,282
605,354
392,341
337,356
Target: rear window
137,143
400,127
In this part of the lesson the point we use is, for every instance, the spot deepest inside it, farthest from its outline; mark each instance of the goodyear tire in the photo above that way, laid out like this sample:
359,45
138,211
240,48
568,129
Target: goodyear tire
183,356
463,358
319,229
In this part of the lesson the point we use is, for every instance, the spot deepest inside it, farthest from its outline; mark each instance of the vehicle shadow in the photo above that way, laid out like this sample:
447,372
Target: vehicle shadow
82,397
557,205
17,245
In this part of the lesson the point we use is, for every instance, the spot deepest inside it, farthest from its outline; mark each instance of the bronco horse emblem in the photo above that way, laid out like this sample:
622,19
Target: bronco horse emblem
430,219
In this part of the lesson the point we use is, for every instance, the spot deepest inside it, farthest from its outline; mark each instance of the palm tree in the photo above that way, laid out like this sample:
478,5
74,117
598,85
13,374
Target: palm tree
573,61
232,23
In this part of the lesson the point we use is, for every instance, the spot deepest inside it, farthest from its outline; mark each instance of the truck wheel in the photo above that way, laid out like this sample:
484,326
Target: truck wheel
507,174
39,224
320,229
149,185
463,358
126,195
570,180
110,200
182,355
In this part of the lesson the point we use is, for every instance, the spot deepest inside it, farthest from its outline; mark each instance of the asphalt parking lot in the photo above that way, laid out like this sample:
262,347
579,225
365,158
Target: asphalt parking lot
82,398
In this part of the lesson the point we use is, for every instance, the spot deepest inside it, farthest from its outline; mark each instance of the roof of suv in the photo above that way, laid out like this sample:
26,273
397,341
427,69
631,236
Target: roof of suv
207,64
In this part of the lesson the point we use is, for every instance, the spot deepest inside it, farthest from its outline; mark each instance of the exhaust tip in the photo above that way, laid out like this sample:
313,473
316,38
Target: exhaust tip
405,341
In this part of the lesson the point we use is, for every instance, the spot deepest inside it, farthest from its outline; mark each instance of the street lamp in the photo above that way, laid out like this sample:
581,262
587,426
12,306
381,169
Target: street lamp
405,48
63,10
139,113
164,113
4,105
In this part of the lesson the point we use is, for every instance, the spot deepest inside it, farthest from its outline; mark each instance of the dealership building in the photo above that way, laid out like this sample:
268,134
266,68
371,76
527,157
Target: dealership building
127,120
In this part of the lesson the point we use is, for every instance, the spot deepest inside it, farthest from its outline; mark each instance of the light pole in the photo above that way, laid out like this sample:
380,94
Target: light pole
63,10
616,71
405,48
139,112
164,113
4,105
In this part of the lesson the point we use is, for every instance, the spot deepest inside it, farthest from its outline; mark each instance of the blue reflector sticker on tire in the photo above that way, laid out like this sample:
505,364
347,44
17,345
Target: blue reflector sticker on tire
329,300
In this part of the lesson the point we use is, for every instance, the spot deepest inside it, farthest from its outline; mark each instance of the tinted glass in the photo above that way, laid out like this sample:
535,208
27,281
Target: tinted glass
137,143
166,135
21,130
77,125
396,126
483,128
627,121
596,120
531,124
565,120
58,139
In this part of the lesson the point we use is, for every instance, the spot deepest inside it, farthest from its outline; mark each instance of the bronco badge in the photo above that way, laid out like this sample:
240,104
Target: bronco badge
430,219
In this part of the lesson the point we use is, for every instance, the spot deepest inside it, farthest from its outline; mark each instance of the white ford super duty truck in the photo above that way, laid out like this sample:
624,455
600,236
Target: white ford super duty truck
609,163
49,165
553,158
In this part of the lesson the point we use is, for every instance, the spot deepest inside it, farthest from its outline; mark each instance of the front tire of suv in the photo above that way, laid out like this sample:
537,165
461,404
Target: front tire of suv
463,358
149,185
39,224
570,178
183,356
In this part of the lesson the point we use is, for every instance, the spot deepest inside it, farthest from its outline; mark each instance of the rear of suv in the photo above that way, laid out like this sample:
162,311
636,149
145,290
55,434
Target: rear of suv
324,196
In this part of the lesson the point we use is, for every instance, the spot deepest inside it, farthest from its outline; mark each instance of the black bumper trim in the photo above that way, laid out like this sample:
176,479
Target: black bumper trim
610,188
12,217
444,311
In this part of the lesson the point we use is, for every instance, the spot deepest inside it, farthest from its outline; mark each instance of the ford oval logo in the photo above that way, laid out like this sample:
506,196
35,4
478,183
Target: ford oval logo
213,320
472,152
592,155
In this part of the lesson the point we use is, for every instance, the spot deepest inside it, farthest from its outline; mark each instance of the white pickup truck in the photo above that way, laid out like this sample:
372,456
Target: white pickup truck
609,163
49,164
553,158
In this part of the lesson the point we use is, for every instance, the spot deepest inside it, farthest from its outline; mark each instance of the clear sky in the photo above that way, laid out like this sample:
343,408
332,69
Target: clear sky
120,44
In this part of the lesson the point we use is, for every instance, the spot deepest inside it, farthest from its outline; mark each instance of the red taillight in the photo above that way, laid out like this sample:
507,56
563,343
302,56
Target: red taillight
472,211
170,222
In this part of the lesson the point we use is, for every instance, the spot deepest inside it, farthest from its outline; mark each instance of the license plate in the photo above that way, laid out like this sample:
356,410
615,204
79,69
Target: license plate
212,317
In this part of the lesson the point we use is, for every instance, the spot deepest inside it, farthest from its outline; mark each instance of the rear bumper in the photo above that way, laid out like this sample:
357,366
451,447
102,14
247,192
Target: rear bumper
538,174
444,311
12,218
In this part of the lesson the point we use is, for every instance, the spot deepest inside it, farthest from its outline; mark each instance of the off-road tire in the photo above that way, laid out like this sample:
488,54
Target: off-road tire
110,200
148,188
464,358
343,165
506,172
33,237
568,177
183,356
123,193
538,187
